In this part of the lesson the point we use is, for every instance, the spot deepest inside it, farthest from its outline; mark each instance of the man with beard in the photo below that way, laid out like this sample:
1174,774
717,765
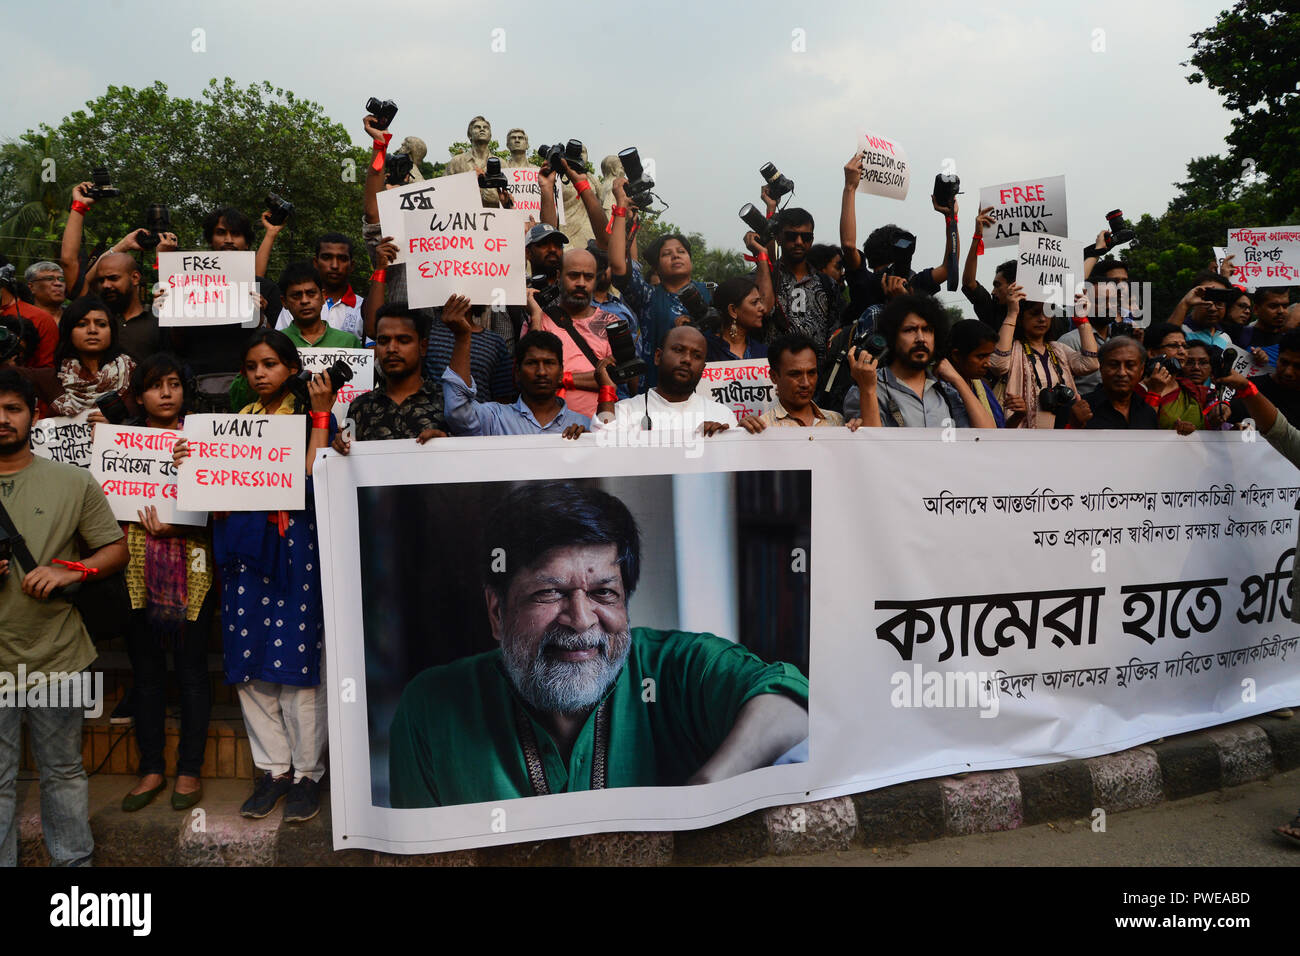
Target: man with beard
580,326
403,403
539,371
671,412
56,508
544,249
118,279
559,706
908,394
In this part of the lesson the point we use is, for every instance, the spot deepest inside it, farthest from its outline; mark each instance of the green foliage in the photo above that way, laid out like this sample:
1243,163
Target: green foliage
230,147
1250,56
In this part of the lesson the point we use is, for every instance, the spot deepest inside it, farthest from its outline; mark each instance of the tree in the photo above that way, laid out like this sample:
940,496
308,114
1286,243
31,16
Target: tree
34,203
230,147
1250,56
707,265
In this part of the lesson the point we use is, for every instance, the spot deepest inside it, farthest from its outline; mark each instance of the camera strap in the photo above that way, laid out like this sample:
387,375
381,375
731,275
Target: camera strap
566,323
16,542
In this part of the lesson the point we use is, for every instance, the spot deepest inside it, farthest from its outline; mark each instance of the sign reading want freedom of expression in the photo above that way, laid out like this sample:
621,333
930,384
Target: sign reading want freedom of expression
63,439
745,386
244,463
469,251
884,167
1032,205
362,363
460,189
207,288
1128,603
1049,267
1265,256
134,467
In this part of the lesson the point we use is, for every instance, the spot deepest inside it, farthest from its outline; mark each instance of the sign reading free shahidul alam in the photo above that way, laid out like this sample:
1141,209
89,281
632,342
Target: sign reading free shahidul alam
1030,205
1048,267
207,288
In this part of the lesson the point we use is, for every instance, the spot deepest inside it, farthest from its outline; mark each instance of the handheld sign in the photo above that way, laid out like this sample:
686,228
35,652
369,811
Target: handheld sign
134,467
524,189
884,167
244,463
745,386
469,251
1265,256
207,288
1220,253
395,204
63,438
1049,267
362,363
1031,205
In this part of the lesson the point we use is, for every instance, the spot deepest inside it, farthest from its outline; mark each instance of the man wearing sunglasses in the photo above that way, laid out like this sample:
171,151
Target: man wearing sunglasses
805,295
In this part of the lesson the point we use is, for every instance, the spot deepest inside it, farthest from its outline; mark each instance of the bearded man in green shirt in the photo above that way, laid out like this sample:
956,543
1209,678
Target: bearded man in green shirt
574,698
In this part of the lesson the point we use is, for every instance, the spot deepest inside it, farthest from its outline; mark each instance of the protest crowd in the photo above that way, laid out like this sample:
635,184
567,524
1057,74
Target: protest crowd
610,339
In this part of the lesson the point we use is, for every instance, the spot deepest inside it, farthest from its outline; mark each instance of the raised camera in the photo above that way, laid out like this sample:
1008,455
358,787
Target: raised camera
102,188
777,184
382,110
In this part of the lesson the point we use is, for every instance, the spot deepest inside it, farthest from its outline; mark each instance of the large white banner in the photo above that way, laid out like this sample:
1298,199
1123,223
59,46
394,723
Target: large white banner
972,605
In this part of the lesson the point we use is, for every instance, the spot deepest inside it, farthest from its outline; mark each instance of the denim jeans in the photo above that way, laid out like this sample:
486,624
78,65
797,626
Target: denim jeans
65,788
149,667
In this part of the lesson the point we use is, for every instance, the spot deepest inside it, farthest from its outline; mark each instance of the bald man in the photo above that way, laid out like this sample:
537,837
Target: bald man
117,279
580,326
672,413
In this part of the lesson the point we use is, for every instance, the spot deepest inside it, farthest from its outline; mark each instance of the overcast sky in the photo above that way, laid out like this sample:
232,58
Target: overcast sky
710,91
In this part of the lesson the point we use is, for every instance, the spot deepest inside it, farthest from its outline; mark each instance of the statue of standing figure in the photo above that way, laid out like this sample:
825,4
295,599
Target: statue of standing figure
480,139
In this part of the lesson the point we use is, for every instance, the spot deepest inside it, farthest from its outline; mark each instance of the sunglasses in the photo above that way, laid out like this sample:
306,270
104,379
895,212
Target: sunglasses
790,235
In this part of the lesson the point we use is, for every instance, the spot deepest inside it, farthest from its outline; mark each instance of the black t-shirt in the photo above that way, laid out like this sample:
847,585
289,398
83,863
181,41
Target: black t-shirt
140,337
214,349
1286,400
1104,415
865,289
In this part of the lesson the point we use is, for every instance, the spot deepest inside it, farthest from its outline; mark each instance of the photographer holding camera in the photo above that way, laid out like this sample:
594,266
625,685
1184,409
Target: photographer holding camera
1203,307
1177,399
906,392
1115,404
805,297
548,182
1263,336
1038,372
47,329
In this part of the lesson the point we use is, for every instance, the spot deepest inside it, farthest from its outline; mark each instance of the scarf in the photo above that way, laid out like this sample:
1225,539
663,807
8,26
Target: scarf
165,582
81,388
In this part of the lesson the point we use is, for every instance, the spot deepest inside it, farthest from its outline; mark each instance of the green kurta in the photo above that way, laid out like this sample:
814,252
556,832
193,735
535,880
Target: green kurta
453,738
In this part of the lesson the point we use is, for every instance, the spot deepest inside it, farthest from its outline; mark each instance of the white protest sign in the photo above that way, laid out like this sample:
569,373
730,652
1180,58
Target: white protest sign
1049,267
1220,253
524,189
362,363
63,438
207,288
423,197
1265,256
884,167
745,386
244,463
469,251
134,467
1031,205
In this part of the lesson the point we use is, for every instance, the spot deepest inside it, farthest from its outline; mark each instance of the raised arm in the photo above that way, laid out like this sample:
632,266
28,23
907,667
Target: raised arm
618,252
980,417
1000,361
385,253
762,271
70,251
849,214
263,259
940,272
547,182
982,222
591,202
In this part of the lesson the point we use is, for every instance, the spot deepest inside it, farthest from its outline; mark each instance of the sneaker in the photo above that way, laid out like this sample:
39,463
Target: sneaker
266,794
303,802
124,712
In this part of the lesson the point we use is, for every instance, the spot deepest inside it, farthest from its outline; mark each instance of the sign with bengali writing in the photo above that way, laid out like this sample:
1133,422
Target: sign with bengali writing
1031,205
884,166
207,288
362,363
459,189
466,250
1049,267
745,385
1126,603
244,463
1265,256
63,438
134,467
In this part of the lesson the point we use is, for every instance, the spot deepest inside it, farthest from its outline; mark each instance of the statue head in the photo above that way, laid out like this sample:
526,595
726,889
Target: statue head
517,141
479,131
414,147
611,167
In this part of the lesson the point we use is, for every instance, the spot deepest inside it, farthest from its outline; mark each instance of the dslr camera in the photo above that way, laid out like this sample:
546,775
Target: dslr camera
561,157
1167,362
1223,296
340,374
1057,399
113,408
946,187
756,221
1221,361
156,222
382,110
1121,230
9,278
397,167
777,184
103,187
494,178
281,209
1120,327
627,364
901,266
639,186
547,295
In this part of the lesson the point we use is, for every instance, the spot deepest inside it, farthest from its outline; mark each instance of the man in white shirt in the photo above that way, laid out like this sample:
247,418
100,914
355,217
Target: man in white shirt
342,307
672,413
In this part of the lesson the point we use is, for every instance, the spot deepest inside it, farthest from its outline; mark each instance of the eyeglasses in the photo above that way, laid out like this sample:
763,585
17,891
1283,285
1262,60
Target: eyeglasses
790,235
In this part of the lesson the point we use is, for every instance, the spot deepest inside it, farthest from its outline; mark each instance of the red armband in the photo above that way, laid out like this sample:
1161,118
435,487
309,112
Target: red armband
581,186
77,566
979,244
567,380
380,147
378,276
79,206
607,393
1250,391
761,257
320,419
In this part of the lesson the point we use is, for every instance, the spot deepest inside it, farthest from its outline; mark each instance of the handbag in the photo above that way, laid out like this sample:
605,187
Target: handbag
102,600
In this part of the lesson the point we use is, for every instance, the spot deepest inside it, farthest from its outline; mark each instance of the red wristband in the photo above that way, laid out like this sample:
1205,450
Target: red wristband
77,566
380,147
378,276
761,257
582,185
1080,320
1250,391
619,211
607,393
320,419
79,206
979,244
